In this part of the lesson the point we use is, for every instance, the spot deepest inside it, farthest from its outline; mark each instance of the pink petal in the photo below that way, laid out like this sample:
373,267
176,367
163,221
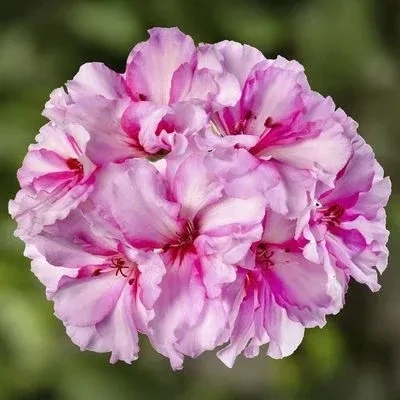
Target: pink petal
87,338
361,272
79,240
141,120
244,330
327,154
284,334
271,93
95,79
33,211
153,63
357,175
193,185
179,307
300,287
56,106
371,202
48,274
215,89
132,194
118,329
216,273
93,299
231,216
233,57
278,229
102,118
152,270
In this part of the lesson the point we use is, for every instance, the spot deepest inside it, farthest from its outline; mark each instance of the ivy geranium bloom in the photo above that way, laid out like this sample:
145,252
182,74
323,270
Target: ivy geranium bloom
55,177
350,220
205,197
281,293
289,129
106,290
165,90
184,216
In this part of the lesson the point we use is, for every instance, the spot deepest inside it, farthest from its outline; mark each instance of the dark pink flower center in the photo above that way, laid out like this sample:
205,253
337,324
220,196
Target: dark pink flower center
241,125
185,239
332,215
75,165
264,255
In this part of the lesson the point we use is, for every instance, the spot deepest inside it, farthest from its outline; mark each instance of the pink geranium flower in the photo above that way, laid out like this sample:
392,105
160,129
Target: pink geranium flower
55,177
205,197
102,287
349,220
165,90
289,130
280,294
184,215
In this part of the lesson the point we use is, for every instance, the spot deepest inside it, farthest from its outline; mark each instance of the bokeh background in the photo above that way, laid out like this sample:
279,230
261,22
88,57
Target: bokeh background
350,49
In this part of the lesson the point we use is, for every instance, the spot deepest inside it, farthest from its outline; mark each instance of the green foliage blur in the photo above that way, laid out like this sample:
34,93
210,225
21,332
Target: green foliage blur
350,49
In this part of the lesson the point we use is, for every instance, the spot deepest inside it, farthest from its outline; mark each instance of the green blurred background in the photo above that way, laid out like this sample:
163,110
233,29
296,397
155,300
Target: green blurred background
350,49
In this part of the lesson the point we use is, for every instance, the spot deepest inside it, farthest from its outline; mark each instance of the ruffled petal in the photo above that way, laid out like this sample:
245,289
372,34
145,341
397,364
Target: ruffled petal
179,308
135,196
193,185
96,79
232,216
152,64
93,298
232,57
300,287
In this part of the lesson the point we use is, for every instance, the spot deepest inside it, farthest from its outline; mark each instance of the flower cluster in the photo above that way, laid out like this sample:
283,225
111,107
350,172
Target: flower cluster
205,197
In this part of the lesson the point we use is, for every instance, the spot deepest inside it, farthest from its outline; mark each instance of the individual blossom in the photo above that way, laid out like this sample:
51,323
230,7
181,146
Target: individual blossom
103,288
349,220
56,176
280,293
284,126
165,90
200,233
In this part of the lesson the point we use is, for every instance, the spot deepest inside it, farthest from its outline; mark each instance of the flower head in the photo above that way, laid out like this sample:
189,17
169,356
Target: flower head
204,197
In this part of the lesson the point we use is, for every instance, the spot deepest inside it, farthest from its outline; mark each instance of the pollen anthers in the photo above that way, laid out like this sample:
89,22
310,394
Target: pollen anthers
264,255
185,238
74,165
241,126
121,266
331,215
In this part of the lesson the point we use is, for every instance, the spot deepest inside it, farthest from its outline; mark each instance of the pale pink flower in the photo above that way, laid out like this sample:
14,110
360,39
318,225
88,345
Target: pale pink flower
200,233
56,175
279,293
349,220
290,132
165,90
103,288
205,196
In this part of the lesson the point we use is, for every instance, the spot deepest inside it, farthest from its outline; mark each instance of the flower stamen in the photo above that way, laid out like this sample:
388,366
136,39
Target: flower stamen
74,165
119,264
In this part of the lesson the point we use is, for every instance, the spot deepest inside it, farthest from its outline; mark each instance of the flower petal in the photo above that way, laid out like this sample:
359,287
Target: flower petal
94,297
301,287
95,79
135,196
152,64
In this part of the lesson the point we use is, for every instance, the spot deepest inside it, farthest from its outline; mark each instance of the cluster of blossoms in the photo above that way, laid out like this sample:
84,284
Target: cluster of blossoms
205,197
